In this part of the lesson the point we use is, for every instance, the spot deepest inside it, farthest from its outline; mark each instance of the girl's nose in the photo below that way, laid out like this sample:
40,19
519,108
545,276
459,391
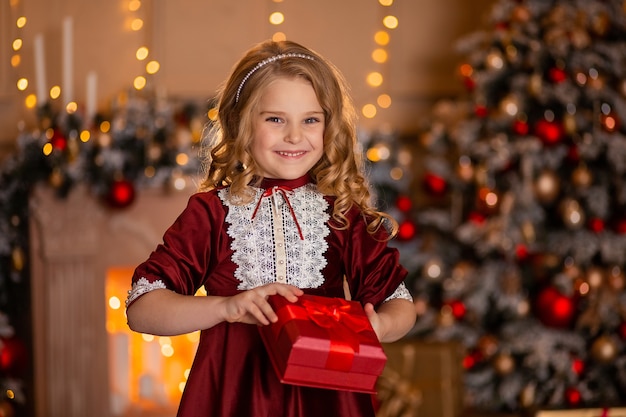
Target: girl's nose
293,134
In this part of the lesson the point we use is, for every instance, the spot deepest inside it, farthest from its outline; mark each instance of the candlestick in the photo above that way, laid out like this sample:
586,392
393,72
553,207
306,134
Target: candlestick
91,102
68,57
40,70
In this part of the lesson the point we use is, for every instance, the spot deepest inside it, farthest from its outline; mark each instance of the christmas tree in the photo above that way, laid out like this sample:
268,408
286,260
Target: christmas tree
521,213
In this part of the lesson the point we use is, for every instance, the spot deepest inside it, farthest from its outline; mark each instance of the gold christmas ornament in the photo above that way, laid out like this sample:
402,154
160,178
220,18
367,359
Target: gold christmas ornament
495,60
594,277
569,123
17,258
604,349
573,215
547,186
582,177
504,364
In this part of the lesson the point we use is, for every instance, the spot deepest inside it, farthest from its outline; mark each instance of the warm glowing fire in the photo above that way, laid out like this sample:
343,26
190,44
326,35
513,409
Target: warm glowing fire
147,373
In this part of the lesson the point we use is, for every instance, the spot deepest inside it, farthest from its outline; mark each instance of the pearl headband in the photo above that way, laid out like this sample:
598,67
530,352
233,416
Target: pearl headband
267,61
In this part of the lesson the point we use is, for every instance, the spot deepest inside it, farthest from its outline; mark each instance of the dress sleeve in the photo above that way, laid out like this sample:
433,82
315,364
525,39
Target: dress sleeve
373,270
182,261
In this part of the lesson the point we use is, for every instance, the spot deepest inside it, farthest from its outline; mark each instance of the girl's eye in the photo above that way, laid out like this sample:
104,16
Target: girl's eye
312,120
273,119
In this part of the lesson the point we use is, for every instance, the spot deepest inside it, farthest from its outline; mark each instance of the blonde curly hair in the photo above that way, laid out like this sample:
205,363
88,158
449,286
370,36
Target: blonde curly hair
338,173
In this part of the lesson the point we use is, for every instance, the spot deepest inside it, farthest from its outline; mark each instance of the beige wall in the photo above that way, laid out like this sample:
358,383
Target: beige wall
197,41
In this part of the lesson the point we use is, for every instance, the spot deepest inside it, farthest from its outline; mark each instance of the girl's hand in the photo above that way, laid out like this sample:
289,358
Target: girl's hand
375,319
251,306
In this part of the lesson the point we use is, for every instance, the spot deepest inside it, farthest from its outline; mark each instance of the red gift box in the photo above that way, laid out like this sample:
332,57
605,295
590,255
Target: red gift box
323,342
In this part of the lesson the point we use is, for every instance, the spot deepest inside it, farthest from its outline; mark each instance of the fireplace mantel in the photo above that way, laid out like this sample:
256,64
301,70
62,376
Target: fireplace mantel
74,241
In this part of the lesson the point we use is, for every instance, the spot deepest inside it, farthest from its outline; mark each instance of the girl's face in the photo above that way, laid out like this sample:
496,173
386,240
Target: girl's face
288,138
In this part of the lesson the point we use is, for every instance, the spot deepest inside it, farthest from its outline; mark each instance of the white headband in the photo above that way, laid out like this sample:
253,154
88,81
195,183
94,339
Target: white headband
267,61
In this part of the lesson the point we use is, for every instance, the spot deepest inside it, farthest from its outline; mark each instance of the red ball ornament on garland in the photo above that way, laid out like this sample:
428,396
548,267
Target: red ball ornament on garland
554,308
435,184
121,194
13,356
550,132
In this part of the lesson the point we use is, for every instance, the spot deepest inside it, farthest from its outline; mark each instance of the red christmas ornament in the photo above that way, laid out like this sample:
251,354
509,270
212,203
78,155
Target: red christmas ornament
521,252
476,218
557,75
13,356
622,330
471,359
121,194
573,396
550,132
481,111
555,309
58,141
596,225
403,203
406,230
520,127
578,366
435,184
457,307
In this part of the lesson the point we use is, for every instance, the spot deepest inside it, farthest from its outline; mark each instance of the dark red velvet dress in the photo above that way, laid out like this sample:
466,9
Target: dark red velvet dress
232,374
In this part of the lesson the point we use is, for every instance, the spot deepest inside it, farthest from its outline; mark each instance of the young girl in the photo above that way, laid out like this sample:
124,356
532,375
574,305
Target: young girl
285,210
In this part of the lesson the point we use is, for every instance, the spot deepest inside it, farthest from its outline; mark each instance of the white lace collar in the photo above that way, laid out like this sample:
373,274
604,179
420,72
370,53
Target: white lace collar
267,244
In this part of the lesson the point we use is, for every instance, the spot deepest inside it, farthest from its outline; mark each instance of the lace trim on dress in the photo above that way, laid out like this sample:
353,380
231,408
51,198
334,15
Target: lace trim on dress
141,287
401,292
253,242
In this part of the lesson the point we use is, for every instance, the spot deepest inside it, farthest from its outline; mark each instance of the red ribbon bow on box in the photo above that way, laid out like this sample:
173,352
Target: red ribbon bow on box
341,319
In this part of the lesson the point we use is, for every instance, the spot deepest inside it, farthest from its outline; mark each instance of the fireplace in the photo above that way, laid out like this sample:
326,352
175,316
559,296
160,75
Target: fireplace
82,254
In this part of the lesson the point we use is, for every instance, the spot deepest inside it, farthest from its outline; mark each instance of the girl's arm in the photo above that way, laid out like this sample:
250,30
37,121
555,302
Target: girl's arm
165,313
393,319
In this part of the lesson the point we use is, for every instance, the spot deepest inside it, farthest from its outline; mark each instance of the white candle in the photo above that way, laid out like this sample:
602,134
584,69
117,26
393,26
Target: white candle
40,70
68,58
91,102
